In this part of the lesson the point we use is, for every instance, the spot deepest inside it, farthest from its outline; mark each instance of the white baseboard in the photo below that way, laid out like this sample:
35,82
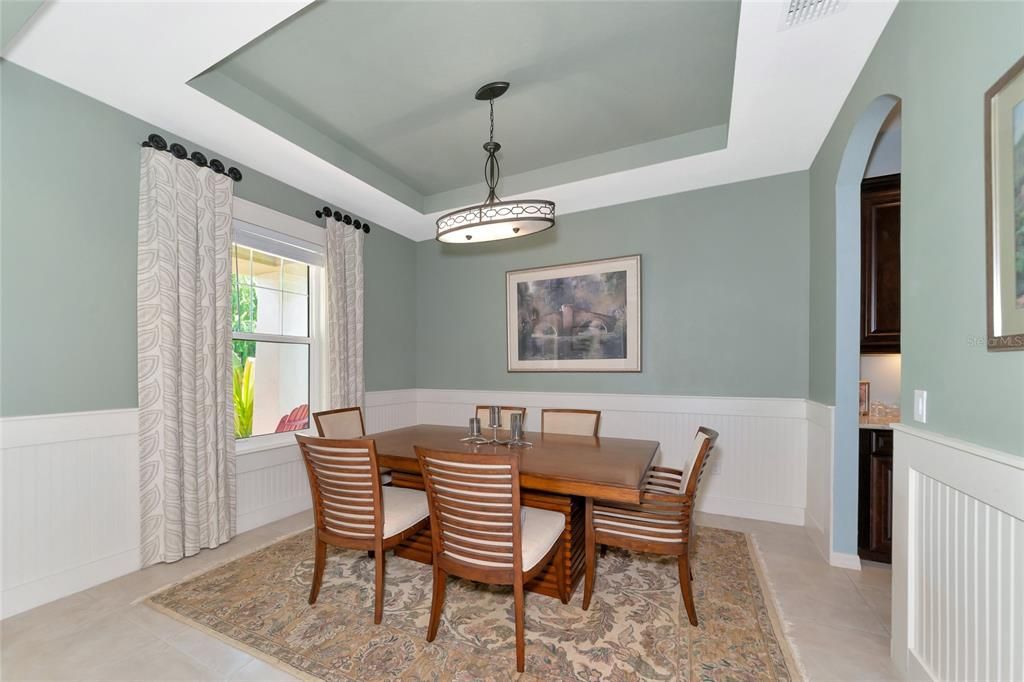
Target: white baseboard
818,538
748,509
841,560
68,581
916,670
273,512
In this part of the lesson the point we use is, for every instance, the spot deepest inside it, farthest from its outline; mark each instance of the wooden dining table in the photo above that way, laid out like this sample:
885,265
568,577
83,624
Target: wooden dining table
557,473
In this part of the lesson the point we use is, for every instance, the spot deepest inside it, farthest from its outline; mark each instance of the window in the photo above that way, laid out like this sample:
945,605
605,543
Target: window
272,341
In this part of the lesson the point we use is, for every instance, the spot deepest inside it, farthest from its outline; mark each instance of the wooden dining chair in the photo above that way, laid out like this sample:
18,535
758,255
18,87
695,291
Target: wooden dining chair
480,531
345,423
352,509
570,422
661,524
483,411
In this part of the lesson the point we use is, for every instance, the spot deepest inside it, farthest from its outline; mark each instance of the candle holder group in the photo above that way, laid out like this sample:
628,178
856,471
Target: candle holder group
494,423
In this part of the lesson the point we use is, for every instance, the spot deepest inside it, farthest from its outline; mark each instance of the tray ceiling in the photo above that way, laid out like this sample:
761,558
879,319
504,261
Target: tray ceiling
393,82
396,117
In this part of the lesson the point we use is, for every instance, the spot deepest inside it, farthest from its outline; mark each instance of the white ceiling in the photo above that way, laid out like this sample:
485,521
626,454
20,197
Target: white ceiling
138,57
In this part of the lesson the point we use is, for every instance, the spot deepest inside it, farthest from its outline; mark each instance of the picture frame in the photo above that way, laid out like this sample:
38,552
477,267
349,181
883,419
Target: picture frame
575,317
864,402
1004,210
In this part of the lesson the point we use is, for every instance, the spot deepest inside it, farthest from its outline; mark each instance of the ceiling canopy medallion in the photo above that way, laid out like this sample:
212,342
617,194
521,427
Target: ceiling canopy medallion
495,219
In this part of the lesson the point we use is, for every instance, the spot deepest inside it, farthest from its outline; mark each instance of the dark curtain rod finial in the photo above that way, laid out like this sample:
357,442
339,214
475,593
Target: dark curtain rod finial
198,158
328,212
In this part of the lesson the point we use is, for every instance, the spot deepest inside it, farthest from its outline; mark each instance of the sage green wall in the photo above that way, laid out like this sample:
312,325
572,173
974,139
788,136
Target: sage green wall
14,14
70,178
389,305
725,298
939,58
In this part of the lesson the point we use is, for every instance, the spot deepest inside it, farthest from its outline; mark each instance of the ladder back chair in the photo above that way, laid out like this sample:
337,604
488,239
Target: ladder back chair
345,423
351,508
481,531
661,524
483,412
570,422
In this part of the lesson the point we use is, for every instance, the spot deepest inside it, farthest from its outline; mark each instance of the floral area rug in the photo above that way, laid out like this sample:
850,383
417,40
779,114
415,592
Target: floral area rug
636,628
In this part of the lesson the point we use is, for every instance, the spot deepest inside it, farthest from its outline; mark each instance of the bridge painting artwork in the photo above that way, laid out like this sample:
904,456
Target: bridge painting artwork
573,318
576,317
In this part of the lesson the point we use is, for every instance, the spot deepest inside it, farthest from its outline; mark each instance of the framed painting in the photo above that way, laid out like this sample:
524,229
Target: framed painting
1004,209
578,317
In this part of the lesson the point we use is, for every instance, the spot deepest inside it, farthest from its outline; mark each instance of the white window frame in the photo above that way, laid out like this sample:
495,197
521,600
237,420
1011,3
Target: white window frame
311,239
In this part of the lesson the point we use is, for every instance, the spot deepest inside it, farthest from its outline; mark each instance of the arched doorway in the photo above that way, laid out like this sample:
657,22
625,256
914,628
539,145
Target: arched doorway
847,352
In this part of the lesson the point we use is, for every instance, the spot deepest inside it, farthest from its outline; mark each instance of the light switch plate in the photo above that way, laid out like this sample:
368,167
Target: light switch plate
920,406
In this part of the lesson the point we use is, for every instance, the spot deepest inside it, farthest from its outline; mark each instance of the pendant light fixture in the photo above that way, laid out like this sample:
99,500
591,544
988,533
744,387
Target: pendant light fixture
495,219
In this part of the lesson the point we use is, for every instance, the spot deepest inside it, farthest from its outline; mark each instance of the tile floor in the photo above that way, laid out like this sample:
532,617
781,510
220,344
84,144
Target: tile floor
838,619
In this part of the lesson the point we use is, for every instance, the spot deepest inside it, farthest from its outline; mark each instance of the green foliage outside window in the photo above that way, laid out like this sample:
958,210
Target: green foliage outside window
244,385
243,361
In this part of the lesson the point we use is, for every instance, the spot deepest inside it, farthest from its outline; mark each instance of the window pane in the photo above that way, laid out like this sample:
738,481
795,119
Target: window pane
266,270
243,298
271,387
268,303
296,277
296,315
241,265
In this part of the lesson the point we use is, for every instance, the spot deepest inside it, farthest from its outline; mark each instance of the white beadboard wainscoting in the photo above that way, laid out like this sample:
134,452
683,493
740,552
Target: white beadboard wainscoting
819,476
759,466
69,482
958,559
70,496
70,504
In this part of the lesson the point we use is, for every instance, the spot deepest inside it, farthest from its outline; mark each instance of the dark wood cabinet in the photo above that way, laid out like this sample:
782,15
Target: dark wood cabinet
874,524
880,265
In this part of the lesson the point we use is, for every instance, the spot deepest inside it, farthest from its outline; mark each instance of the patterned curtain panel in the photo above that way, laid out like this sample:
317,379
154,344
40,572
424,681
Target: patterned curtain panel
186,412
344,314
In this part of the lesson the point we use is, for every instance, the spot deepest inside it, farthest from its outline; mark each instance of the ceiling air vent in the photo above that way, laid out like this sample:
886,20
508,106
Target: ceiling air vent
802,11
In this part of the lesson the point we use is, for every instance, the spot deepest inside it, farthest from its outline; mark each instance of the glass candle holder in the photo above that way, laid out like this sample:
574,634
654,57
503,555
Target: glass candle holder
516,426
474,427
495,417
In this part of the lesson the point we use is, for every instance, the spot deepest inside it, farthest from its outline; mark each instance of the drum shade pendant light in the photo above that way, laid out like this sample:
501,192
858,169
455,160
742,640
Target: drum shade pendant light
495,219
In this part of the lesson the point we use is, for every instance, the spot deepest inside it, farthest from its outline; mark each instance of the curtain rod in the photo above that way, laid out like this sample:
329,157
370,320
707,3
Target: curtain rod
327,212
198,158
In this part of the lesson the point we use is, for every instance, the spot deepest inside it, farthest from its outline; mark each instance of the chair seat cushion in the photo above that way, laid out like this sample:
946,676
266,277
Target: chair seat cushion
541,529
403,508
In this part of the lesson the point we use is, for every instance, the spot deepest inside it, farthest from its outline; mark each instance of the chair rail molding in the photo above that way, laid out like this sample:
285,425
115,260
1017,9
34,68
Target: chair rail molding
89,461
958,555
760,465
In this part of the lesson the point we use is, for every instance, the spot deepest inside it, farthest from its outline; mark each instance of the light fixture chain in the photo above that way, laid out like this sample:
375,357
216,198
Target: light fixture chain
494,219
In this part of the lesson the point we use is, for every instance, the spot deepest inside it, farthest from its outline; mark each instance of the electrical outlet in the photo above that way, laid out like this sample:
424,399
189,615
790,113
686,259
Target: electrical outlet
716,466
920,406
